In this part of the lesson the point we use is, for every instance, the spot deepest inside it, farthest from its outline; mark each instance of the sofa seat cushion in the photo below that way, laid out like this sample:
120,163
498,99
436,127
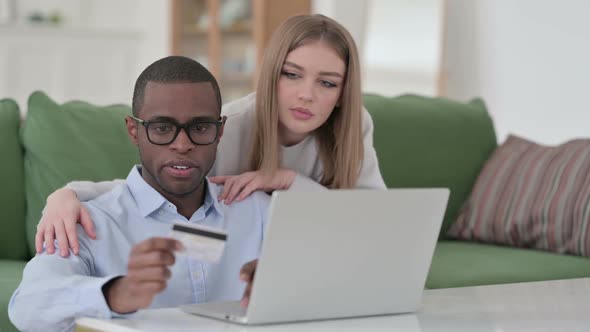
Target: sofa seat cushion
10,276
458,264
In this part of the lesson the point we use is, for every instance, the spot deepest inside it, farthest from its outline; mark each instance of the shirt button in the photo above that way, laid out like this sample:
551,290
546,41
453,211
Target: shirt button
197,274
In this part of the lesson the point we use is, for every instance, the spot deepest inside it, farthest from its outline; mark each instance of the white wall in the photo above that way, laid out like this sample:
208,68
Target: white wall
528,59
154,21
399,41
351,14
67,64
403,46
95,55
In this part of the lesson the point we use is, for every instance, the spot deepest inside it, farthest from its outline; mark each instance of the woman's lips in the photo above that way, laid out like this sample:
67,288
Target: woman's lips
301,113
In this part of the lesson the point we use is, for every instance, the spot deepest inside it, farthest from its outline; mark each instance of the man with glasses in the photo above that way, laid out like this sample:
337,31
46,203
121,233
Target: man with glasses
176,125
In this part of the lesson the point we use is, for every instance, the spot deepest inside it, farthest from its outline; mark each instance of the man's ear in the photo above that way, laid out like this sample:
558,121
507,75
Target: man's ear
131,129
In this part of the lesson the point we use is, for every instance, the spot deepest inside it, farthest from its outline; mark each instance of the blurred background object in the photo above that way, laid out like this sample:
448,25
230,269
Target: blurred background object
229,36
7,11
526,58
94,49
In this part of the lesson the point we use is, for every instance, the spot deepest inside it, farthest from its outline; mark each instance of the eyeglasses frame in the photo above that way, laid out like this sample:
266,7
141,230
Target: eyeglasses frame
185,126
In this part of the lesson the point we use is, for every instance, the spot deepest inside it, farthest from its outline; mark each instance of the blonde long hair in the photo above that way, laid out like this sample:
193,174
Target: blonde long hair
339,139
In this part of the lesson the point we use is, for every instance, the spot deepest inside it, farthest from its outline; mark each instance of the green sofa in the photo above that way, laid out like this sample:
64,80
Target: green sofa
436,142
421,142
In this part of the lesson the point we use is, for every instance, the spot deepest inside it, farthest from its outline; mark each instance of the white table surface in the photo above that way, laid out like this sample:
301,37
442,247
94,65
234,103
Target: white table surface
561,305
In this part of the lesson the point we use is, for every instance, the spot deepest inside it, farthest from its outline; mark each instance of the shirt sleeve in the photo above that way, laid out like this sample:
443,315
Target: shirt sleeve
87,190
304,183
55,290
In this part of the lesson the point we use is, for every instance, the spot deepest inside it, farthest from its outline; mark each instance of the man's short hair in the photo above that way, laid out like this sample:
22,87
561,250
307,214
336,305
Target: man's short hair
173,69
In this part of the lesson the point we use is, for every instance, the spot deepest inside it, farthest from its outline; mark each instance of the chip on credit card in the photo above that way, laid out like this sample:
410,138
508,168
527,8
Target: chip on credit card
200,243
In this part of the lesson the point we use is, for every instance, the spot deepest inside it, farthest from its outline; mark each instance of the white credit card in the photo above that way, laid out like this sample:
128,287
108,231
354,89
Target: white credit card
200,243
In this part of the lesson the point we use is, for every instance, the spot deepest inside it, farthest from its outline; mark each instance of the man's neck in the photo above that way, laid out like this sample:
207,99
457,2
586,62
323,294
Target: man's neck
187,205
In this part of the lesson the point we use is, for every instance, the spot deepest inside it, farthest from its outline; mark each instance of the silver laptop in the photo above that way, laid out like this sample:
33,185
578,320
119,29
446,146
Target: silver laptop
340,253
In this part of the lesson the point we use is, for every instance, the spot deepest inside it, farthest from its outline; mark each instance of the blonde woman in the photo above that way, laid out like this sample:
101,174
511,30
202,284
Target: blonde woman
304,129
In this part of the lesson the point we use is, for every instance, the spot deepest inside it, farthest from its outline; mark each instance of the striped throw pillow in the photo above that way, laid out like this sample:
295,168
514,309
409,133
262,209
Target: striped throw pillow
532,196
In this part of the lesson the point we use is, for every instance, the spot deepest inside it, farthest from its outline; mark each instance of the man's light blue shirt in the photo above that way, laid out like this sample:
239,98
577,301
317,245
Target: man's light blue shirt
55,290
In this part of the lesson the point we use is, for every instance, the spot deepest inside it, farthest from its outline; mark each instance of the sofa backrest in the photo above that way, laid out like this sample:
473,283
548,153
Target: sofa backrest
420,142
13,244
431,142
67,142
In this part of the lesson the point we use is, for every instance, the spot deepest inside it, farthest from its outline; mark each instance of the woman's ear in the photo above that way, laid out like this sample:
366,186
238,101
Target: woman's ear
131,129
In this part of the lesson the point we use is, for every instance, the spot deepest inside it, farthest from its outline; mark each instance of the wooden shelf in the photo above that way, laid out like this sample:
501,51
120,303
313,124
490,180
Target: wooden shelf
238,28
194,31
229,43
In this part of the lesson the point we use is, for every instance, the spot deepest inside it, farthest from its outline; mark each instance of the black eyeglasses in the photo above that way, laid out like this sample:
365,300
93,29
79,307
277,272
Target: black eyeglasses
165,132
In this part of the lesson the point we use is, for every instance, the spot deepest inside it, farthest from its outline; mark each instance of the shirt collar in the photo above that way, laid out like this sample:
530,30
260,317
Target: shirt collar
211,201
149,199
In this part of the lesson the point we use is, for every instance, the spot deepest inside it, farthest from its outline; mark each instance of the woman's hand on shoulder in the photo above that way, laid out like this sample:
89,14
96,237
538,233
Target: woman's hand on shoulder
62,212
238,187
